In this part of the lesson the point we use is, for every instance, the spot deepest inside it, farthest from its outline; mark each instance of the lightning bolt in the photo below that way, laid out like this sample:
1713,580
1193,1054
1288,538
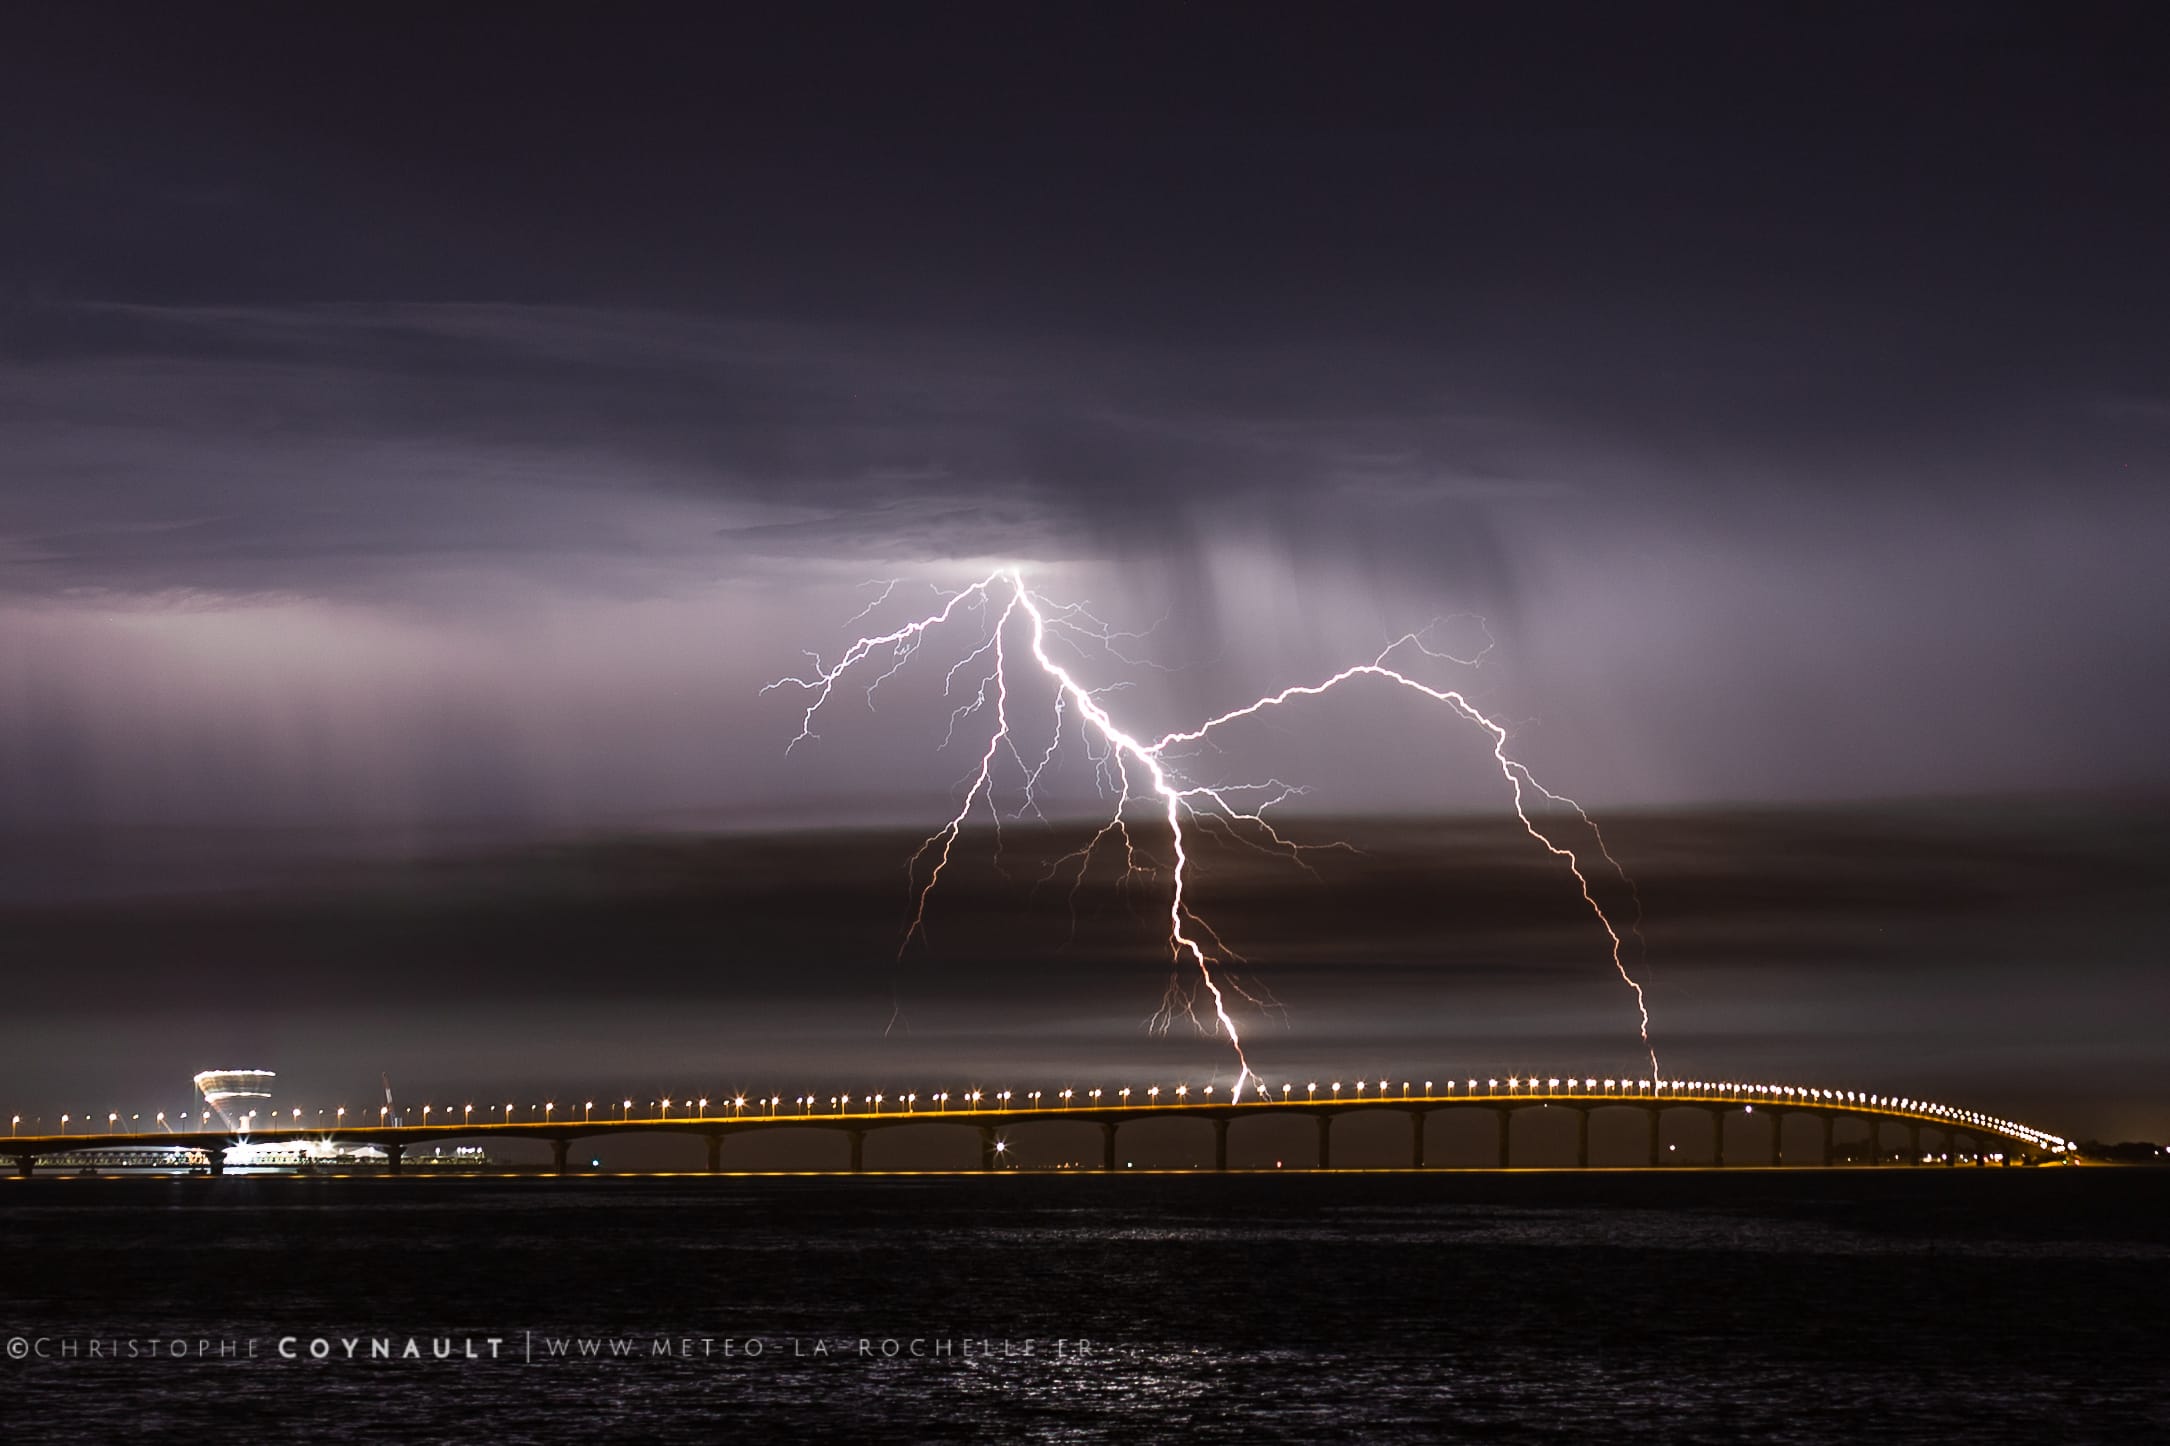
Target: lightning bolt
1132,769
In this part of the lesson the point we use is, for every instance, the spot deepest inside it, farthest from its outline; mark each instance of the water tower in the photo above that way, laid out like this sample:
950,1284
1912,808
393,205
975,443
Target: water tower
235,1093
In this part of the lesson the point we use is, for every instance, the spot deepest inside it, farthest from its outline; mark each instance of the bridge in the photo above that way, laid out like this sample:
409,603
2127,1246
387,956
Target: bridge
1875,1116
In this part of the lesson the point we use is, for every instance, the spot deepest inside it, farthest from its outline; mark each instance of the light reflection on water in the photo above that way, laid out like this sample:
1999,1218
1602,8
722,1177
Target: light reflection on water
1810,1310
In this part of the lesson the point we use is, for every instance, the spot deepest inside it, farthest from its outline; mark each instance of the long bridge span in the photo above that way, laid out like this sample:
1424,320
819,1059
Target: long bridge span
1875,1116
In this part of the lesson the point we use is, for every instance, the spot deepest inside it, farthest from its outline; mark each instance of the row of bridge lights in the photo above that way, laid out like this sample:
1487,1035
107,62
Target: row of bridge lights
975,1099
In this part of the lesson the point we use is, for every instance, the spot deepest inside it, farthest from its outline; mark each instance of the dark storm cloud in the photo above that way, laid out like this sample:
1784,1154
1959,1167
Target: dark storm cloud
329,446
1784,389
1050,282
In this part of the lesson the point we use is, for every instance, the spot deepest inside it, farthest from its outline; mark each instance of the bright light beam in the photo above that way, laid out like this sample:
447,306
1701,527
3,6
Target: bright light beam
1121,755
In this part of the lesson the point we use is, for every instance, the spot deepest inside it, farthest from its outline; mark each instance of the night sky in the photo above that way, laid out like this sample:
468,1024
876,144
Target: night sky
423,429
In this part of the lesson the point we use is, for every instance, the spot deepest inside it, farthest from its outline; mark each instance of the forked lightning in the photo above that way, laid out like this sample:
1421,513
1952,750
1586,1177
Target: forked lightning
1126,763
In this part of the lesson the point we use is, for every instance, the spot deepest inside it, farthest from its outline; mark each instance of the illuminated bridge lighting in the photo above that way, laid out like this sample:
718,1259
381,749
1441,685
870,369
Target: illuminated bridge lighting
302,1136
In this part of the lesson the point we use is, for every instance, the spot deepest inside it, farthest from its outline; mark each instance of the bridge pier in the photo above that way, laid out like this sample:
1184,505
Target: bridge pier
1107,1145
1876,1139
559,1151
392,1153
1651,1117
715,1154
1582,1139
1326,1142
1416,1139
24,1164
1220,1146
1824,1122
1499,1143
858,1150
1717,1136
987,1147
1778,1139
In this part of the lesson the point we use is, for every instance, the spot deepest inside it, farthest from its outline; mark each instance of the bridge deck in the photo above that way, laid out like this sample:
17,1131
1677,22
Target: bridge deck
1584,1096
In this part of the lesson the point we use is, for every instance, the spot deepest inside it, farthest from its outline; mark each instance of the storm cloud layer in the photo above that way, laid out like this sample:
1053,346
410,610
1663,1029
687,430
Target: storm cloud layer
403,431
